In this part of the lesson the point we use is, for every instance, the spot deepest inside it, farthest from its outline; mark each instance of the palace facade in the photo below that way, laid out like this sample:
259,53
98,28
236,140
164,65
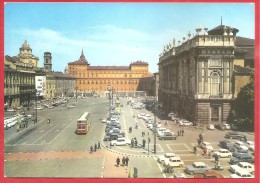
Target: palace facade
97,78
197,75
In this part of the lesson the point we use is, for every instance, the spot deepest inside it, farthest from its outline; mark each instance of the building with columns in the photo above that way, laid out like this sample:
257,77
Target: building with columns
196,75
123,79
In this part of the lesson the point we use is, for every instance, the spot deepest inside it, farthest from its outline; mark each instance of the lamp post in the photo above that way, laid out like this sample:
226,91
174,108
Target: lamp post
36,97
155,125
109,108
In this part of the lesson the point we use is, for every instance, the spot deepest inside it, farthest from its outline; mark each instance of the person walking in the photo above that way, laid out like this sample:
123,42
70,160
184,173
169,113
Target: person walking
99,147
95,147
144,143
126,161
91,149
117,161
123,161
182,132
195,150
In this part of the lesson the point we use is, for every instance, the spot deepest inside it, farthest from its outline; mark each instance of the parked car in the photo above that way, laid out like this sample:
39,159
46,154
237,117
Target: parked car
242,158
104,120
120,142
242,174
162,158
206,145
167,136
240,145
174,162
225,144
250,145
209,175
71,106
220,127
185,123
235,135
244,166
197,167
239,152
223,153
38,108
211,127
227,126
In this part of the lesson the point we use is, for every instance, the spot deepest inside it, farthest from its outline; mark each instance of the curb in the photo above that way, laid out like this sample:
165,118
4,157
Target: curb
127,154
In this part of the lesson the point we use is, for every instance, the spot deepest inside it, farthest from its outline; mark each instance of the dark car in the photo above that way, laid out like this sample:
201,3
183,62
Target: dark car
220,127
235,135
239,152
113,136
242,158
225,144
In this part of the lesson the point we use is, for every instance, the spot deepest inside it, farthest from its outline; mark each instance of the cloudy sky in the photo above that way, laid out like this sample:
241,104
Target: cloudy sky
114,33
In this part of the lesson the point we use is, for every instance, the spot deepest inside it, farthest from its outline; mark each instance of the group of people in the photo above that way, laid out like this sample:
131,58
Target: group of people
125,161
180,132
134,142
96,146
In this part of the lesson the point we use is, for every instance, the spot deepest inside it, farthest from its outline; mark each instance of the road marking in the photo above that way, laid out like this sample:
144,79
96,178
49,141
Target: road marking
25,137
164,176
60,132
44,134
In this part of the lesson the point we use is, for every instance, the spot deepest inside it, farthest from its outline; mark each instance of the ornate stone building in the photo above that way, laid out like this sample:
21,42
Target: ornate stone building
19,83
196,75
25,56
123,79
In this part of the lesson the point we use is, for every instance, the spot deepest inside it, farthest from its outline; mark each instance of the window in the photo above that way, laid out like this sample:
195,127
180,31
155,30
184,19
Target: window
214,112
215,88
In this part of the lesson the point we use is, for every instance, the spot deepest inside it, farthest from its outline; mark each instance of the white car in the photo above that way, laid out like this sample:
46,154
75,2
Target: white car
244,166
166,156
71,106
140,115
250,145
185,123
174,162
241,174
223,153
104,120
241,145
120,142
38,108
207,145
211,127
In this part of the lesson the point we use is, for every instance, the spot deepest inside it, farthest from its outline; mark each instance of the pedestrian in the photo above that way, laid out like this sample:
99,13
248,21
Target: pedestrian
123,161
91,149
182,132
195,150
126,161
135,143
132,142
117,161
209,153
205,151
144,143
178,132
95,147
99,147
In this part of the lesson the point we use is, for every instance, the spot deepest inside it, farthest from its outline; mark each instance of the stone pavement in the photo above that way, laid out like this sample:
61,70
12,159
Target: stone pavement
110,170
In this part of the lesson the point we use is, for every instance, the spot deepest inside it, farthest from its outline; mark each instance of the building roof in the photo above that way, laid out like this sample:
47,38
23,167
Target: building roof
219,30
81,61
242,70
109,68
62,75
25,45
139,63
242,41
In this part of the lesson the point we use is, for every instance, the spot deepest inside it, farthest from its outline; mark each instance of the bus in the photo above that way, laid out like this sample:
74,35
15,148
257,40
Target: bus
83,123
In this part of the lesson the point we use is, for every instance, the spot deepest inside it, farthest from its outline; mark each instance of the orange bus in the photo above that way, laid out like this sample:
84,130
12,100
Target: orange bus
83,123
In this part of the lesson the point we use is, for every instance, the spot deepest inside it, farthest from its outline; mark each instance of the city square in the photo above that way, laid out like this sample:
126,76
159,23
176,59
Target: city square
120,99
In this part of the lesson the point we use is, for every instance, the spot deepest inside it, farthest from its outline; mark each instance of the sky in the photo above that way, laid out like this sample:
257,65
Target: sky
114,34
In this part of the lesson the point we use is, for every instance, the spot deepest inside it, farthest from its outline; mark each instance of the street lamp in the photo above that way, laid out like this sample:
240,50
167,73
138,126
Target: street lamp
109,90
36,97
155,126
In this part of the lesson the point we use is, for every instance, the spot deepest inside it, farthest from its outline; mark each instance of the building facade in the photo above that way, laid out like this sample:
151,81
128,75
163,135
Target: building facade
123,79
64,84
196,75
19,83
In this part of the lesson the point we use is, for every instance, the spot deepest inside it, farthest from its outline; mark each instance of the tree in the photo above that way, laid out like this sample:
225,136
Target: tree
242,108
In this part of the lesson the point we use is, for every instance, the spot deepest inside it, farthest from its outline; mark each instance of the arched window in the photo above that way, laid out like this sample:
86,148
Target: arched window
215,84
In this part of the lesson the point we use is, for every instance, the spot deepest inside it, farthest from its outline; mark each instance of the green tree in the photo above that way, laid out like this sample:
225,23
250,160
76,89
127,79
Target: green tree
242,108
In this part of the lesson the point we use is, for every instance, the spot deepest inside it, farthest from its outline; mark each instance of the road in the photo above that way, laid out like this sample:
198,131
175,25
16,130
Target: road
55,150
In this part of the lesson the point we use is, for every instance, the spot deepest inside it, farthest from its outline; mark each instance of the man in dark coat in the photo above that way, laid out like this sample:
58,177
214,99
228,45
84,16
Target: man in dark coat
126,161
117,161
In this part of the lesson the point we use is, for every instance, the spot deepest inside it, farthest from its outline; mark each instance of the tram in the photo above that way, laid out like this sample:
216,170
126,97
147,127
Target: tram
83,123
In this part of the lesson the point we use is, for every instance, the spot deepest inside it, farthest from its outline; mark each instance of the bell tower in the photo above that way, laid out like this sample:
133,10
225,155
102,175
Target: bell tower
47,62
